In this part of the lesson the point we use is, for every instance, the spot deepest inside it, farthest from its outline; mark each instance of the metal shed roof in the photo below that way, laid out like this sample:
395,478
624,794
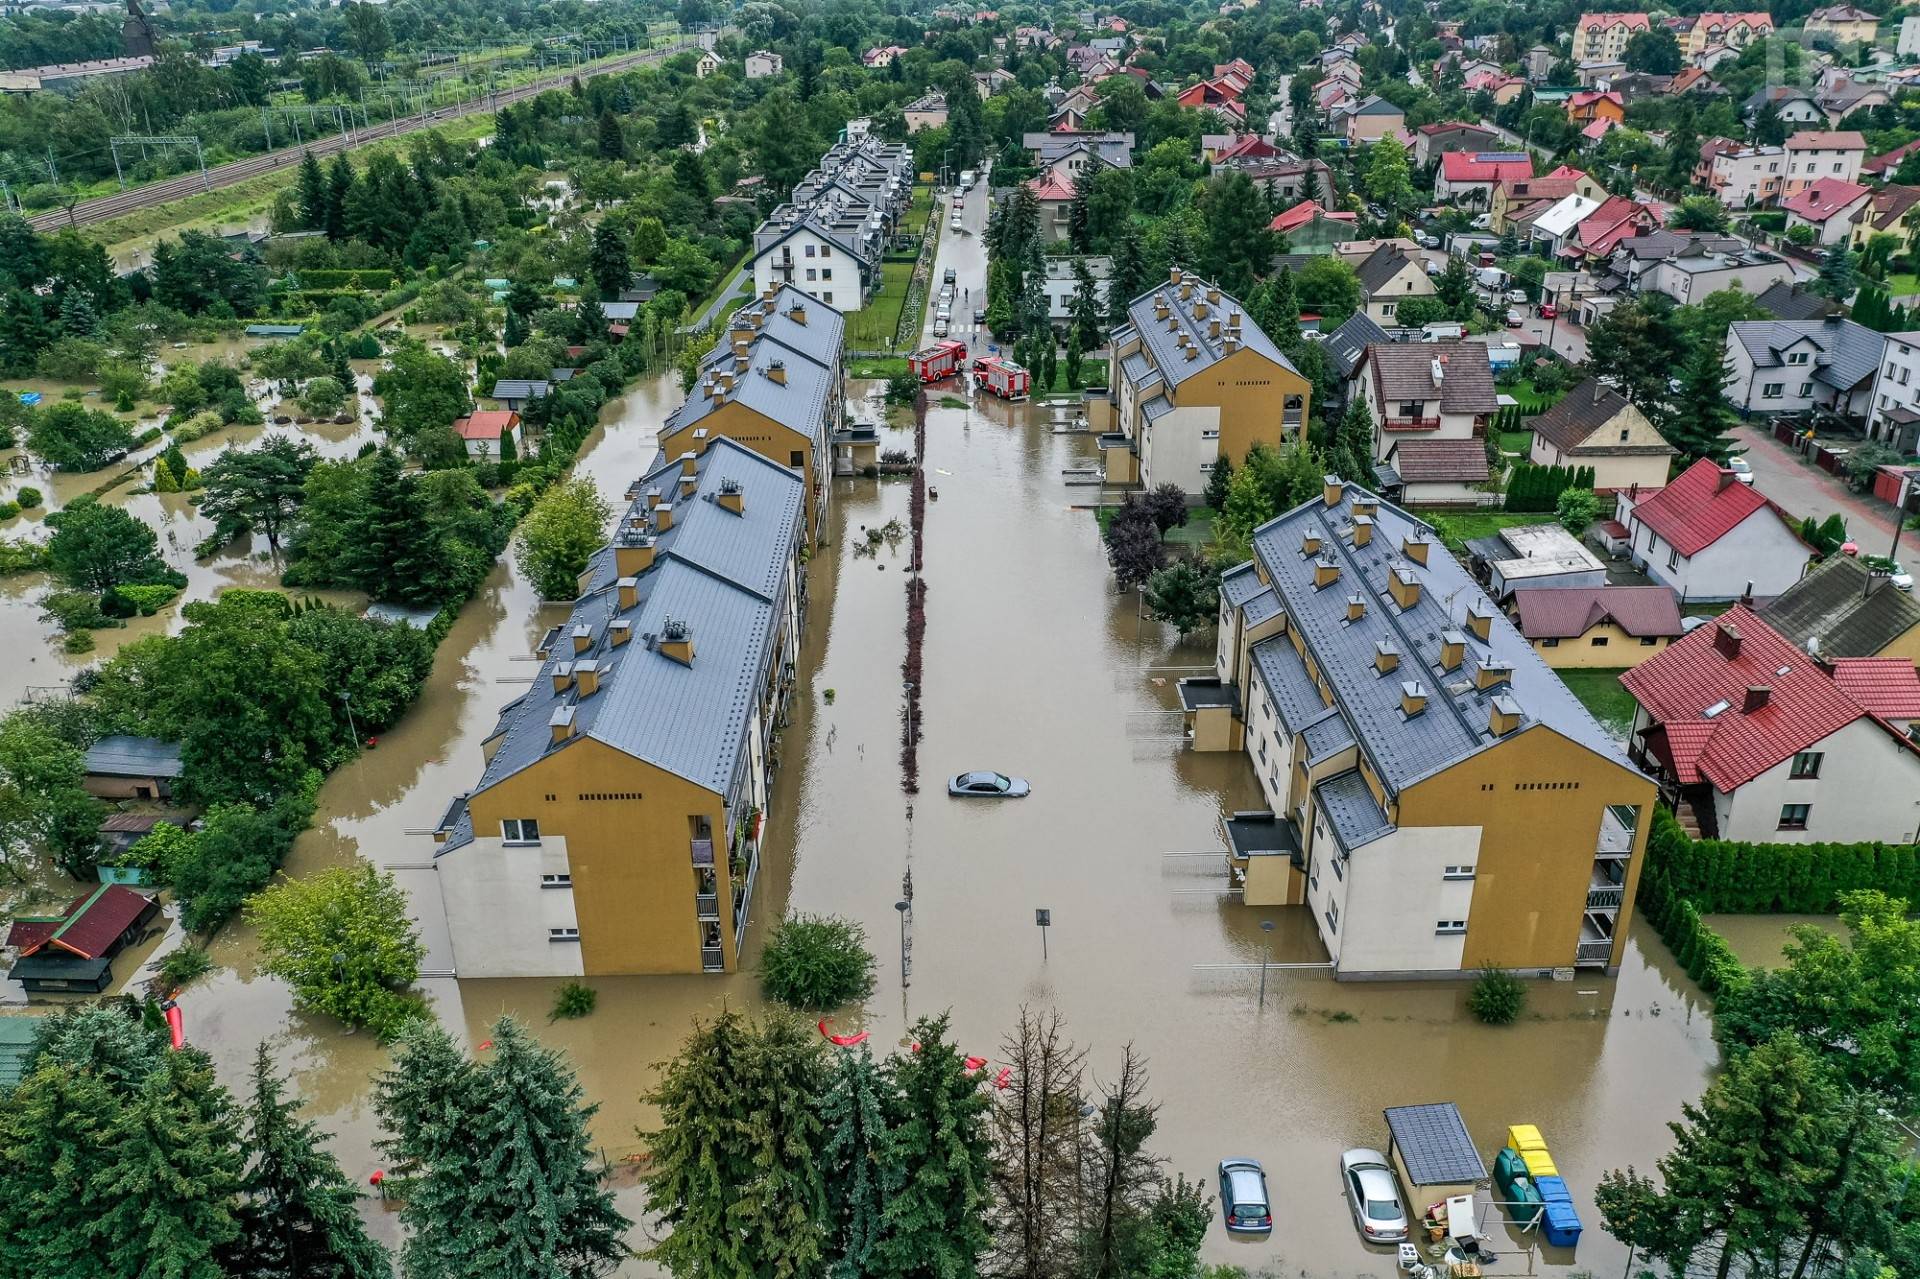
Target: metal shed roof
1434,1144
133,757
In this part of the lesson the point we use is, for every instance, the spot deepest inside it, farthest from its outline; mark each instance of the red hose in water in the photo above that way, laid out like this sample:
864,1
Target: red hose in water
841,1041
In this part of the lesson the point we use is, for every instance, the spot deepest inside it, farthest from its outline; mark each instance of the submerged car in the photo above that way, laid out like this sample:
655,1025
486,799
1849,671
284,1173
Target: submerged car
1243,1197
988,786
1373,1196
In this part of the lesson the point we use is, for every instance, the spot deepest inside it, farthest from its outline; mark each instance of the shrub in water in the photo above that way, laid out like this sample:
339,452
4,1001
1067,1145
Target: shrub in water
1497,998
817,962
28,498
184,965
573,1000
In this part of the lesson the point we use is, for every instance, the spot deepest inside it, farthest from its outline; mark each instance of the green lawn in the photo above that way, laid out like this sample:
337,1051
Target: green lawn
1530,399
882,367
1092,373
1600,692
919,209
1901,285
737,284
1196,532
1516,442
1457,528
871,328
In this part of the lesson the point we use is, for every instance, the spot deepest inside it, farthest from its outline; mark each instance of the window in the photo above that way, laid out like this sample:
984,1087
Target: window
521,830
1624,432
1450,927
1598,641
1457,872
1800,357
1772,390
1386,309
1333,917
563,934
1412,408
826,273
1648,641
826,251
796,458
1673,557
810,273
1210,433
1206,468
1905,375
1806,765
562,880
1552,641
809,250
1794,816
1337,862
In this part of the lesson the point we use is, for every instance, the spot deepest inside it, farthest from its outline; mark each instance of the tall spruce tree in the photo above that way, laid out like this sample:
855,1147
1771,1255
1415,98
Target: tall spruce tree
396,553
422,1103
1129,279
608,262
298,1220
340,184
313,193
1351,456
1698,420
1239,246
856,1159
935,1222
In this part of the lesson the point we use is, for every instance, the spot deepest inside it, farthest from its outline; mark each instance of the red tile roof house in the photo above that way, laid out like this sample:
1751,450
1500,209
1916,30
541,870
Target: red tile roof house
1709,537
1766,744
1469,177
73,951
1055,197
481,432
1830,207
1601,231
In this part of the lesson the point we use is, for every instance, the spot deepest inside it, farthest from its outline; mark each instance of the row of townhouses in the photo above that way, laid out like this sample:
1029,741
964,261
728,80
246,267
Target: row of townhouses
617,824
828,238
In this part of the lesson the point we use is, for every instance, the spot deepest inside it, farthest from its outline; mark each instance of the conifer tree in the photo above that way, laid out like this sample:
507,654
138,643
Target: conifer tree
395,553
422,1103
856,1159
934,1221
298,1221
1699,421
313,194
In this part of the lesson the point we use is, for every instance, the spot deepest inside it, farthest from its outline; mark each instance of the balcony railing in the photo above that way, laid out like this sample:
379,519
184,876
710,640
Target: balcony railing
702,852
1593,952
1411,424
707,905
1605,899
713,959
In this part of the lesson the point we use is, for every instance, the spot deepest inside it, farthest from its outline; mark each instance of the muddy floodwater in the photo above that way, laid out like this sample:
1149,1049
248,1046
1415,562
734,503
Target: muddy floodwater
1036,667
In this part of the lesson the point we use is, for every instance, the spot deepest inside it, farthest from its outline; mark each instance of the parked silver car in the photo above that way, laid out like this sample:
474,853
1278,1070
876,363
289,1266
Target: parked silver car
988,786
1373,1196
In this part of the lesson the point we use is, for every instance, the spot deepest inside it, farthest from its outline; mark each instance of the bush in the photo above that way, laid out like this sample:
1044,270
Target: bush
1498,998
148,600
29,498
817,963
183,966
74,611
1721,876
9,509
344,941
202,423
1577,509
235,856
77,642
573,1000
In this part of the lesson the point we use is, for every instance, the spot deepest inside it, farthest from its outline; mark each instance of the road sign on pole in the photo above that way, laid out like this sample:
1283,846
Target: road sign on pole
1044,918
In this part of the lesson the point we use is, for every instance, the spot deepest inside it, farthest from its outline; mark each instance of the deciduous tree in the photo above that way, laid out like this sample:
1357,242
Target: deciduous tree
566,526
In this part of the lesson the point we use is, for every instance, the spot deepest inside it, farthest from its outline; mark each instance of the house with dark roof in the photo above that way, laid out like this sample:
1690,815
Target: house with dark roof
1372,118
1765,743
1893,417
1436,798
1842,608
616,823
1786,366
1710,537
1193,379
1789,300
1889,211
776,382
74,950
121,767
1389,276
1430,403
1600,626
1431,141
1344,346
1594,425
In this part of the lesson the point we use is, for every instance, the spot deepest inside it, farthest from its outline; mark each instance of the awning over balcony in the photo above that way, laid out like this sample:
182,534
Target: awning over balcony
1262,834
1199,694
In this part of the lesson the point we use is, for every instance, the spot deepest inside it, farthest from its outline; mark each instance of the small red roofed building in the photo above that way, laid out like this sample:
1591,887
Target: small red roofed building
1829,207
1710,537
1470,177
1603,626
1764,742
481,432
73,951
1595,104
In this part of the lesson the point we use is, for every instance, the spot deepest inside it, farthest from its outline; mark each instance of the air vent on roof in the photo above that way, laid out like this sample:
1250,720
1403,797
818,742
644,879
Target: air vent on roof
1362,530
1503,715
1413,698
1356,608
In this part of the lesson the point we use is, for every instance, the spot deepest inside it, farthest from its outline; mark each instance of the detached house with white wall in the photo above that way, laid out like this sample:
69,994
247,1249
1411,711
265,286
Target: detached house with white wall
1710,537
1757,740
1784,366
1430,403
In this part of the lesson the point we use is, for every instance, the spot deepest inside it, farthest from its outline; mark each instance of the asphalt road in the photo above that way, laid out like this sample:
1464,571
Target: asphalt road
225,175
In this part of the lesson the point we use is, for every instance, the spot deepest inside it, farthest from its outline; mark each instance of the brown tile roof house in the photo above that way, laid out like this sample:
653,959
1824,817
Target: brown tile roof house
1830,612
1405,371
1594,425
1644,612
1440,461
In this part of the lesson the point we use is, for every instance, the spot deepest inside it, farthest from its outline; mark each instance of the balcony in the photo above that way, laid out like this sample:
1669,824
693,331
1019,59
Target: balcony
702,852
1262,834
1410,424
1595,947
707,905
1606,899
1616,832
713,959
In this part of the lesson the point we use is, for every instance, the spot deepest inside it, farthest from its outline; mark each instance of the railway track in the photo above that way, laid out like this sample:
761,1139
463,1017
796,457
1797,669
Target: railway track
146,196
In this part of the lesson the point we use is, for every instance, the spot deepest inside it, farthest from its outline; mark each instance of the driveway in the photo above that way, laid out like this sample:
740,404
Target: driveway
1802,489
1561,334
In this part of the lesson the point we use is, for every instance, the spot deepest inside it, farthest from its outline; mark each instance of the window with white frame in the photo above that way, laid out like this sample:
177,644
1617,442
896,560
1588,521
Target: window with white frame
520,830
1450,927
563,934
1458,872
558,880
1772,390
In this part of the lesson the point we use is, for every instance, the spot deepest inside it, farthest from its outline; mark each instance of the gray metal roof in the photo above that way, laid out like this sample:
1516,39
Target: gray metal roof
1326,737
1161,343
1346,344
1434,1144
1295,697
1848,352
1831,611
1240,584
1263,606
133,757
1455,723
799,403
520,389
1351,810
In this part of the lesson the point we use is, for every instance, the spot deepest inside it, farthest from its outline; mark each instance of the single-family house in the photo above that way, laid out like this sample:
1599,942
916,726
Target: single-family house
1344,347
1746,176
882,55
1783,366
1062,284
762,63
1894,418
1891,210
1055,198
1766,744
1829,207
1431,141
706,64
1312,229
1553,230
1594,425
1373,118
1688,266
1710,537
1388,277
1794,105
1845,608
486,433
1596,104
121,767
1603,626
1430,402
1841,24
1813,154
1467,178
1786,300
929,111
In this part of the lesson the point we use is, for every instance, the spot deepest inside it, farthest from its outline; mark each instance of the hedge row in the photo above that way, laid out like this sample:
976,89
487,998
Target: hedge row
1721,876
363,278
1698,949
1538,488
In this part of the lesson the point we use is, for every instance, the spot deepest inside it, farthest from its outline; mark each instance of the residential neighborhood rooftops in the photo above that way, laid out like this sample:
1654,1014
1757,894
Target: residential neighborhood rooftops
1346,344
1485,166
1827,140
1566,612
1824,199
1381,266
1733,699
1441,461
1831,612
1571,423
1786,300
485,425
1849,352
120,756
88,928
1456,374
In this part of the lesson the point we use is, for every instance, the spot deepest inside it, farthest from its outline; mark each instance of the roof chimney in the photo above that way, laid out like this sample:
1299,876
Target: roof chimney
582,638
619,631
1453,650
1415,546
676,641
1193,353
1325,572
1726,638
777,371
629,593
1310,541
1356,608
1362,530
730,496
1365,504
560,723
562,676
586,676
1173,275
663,517
1213,328
1757,695
1722,478
630,559
1386,656
1503,715
1480,620
688,483
1331,489
1413,698
689,463
1492,673
1403,586
1213,296
798,313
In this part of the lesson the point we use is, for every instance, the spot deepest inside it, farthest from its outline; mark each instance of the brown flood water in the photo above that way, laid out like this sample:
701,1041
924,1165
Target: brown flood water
1036,667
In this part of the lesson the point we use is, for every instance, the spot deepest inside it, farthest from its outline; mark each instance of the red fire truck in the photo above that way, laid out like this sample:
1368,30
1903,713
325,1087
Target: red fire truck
942,359
1001,377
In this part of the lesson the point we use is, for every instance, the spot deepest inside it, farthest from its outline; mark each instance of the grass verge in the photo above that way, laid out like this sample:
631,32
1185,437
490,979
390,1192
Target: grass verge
1599,691
1459,527
1092,373
871,328
882,367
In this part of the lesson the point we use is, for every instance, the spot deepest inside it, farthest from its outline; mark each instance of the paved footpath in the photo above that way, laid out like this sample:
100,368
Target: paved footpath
1803,489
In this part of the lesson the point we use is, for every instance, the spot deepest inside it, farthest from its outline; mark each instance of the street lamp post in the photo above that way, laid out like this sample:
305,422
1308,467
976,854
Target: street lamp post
346,700
903,906
1266,957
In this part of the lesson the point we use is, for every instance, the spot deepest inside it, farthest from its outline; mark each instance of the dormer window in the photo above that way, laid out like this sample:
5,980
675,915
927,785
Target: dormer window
1797,357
